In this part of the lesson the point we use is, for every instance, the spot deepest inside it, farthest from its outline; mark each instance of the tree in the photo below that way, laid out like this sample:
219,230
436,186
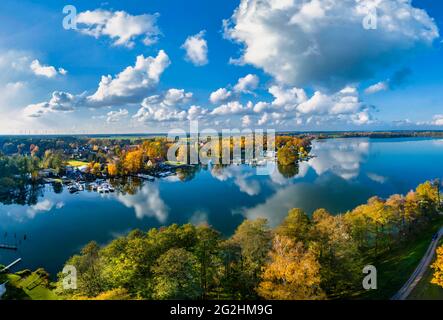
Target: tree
176,275
254,240
112,169
296,226
287,155
339,257
438,268
133,161
292,274
90,280
206,250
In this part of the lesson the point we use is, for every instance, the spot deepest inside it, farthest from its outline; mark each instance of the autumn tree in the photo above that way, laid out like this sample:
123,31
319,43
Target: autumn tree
438,268
112,169
287,155
133,161
293,272
295,226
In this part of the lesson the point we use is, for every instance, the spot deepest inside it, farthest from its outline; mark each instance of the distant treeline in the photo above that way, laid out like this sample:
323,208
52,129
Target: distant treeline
318,257
368,134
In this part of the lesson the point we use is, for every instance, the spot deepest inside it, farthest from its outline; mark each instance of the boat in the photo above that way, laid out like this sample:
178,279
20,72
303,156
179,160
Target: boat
145,177
72,188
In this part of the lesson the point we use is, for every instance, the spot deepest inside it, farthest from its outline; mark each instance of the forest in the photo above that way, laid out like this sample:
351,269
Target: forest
306,257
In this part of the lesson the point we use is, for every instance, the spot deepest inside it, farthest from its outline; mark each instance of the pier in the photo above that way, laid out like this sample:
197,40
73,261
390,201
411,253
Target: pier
8,247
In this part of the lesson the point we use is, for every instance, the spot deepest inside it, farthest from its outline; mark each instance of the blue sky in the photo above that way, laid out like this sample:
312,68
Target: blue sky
305,64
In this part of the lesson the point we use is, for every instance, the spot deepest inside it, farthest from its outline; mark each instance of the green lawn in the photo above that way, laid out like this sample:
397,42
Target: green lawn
31,287
76,163
395,268
425,290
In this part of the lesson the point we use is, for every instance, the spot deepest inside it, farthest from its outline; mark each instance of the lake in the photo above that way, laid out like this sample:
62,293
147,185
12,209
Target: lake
343,174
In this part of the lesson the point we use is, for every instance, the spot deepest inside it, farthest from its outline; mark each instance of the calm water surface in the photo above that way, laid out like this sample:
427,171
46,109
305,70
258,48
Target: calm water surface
344,174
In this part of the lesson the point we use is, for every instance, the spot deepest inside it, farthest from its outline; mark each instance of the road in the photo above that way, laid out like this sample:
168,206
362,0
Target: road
415,278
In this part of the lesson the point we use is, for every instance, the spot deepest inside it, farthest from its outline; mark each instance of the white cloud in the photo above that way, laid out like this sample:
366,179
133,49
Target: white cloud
379,86
166,107
306,42
120,26
116,116
45,71
295,104
132,84
196,49
59,102
246,121
438,120
220,95
233,107
247,84
146,203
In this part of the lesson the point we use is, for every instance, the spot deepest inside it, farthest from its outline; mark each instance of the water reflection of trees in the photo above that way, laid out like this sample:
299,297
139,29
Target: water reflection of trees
24,195
288,171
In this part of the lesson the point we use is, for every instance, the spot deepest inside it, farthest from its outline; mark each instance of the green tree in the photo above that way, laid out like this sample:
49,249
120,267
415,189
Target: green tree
176,275
296,226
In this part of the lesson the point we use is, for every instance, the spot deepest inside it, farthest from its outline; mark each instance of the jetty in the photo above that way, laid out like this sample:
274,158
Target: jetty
8,247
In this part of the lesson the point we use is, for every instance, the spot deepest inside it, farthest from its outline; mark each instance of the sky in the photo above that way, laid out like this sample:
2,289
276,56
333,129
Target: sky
150,66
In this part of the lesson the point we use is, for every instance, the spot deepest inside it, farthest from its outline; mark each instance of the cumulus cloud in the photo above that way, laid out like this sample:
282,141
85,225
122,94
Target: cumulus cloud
196,49
166,107
247,84
231,108
46,71
116,116
220,95
132,84
292,103
59,102
246,121
122,27
306,42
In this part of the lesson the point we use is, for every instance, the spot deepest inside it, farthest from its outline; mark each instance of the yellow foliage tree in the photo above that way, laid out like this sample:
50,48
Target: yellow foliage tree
112,169
293,273
438,268
133,161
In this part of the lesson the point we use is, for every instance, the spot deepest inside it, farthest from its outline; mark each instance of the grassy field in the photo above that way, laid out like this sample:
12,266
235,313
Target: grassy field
425,290
76,163
31,287
395,268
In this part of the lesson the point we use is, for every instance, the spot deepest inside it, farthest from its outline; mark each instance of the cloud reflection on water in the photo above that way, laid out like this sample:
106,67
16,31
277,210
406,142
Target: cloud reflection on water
146,203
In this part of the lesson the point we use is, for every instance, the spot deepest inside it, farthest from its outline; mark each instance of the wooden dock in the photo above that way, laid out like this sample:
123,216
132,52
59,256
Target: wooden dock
8,247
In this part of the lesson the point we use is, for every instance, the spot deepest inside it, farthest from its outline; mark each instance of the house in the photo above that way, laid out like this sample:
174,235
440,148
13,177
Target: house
83,169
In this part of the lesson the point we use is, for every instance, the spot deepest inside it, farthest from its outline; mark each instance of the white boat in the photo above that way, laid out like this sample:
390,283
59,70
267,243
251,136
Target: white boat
145,177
